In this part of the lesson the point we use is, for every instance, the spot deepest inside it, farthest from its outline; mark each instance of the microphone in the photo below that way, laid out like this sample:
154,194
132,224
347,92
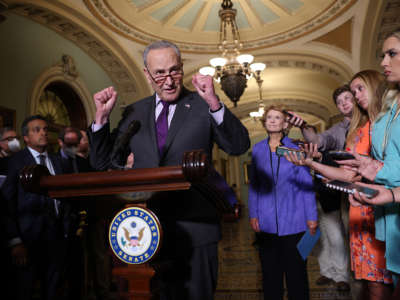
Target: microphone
121,145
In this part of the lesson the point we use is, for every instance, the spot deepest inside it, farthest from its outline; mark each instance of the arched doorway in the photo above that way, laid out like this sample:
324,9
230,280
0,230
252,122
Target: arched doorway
61,106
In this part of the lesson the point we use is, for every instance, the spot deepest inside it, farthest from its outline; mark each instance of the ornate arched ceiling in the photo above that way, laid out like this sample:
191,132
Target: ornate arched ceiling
194,24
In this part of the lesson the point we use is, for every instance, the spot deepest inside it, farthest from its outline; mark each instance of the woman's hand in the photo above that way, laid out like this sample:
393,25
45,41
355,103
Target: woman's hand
254,224
366,166
311,151
383,197
353,201
312,226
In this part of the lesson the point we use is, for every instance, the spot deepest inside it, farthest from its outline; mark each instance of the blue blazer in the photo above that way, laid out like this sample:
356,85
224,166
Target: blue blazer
282,201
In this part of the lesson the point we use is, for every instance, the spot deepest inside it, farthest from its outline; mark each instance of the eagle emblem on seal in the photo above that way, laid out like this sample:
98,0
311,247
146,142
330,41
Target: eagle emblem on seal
132,238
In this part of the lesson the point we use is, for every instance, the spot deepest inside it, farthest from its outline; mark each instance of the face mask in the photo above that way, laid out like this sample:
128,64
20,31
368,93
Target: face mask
71,151
14,145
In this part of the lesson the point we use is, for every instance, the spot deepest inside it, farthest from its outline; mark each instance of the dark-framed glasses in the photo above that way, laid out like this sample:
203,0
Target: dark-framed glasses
161,78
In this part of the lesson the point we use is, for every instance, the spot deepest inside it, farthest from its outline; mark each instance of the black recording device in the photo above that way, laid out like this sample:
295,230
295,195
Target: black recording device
120,150
340,155
290,115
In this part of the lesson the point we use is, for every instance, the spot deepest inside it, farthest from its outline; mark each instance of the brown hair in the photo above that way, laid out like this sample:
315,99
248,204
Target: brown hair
279,108
340,90
373,81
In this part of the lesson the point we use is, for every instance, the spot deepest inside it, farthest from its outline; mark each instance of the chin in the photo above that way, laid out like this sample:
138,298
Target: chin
170,97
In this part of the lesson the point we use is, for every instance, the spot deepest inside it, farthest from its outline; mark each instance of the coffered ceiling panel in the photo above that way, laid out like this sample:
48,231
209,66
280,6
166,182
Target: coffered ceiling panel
194,24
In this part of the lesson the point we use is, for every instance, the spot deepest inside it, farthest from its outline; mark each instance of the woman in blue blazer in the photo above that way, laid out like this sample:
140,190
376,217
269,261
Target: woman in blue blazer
282,207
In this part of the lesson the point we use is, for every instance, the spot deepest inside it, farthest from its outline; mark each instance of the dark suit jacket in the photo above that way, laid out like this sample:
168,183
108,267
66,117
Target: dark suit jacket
188,214
28,214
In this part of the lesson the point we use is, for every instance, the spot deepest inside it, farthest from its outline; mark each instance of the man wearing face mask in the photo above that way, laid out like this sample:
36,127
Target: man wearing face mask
9,144
69,139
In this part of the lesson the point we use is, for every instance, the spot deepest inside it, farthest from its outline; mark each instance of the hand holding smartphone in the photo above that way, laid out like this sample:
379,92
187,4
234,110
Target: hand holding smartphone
281,150
350,188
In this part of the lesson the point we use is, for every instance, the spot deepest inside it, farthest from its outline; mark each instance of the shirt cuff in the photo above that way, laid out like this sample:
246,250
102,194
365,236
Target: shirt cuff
96,127
218,115
14,241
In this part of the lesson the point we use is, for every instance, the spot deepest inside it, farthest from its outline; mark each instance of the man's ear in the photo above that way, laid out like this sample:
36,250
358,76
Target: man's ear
60,143
148,77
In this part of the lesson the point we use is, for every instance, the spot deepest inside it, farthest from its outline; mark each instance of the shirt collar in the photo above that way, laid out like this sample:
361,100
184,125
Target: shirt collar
158,99
36,153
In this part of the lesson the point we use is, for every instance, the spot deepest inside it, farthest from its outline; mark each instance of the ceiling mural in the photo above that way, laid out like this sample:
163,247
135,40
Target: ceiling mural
194,24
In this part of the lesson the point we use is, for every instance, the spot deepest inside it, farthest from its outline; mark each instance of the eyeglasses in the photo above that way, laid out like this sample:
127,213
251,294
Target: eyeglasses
160,79
9,139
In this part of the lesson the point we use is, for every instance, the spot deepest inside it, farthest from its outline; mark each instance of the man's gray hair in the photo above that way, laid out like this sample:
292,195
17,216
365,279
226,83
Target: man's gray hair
160,45
3,130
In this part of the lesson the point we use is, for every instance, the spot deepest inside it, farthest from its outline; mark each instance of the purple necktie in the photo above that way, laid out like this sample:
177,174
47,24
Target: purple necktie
162,127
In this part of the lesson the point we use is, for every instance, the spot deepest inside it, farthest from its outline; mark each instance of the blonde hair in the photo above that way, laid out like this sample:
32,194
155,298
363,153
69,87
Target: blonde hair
392,92
373,81
281,109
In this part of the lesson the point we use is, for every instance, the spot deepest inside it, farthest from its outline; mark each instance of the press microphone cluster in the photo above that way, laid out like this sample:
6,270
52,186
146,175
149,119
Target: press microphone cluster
121,146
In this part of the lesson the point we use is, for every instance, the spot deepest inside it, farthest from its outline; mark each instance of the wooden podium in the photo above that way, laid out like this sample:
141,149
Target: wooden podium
194,170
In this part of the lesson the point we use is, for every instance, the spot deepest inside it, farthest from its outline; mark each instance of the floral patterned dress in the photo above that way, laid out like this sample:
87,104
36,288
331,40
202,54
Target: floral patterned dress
367,254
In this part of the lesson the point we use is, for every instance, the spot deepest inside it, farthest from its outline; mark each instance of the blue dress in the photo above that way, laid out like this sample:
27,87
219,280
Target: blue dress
386,148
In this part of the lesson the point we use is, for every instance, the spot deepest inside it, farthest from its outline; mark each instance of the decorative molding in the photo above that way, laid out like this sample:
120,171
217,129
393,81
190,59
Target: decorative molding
308,65
389,22
295,104
57,73
101,10
113,66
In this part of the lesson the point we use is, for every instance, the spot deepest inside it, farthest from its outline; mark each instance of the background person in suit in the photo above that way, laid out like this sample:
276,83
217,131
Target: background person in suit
195,120
35,226
9,144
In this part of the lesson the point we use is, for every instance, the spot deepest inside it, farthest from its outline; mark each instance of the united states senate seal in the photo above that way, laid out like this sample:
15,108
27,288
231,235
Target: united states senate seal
135,235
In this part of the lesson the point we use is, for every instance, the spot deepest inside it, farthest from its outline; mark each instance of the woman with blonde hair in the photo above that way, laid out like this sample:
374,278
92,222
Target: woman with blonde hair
282,208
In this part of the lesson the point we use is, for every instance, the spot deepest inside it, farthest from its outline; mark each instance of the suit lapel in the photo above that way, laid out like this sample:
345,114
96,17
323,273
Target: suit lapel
29,160
56,162
151,126
183,108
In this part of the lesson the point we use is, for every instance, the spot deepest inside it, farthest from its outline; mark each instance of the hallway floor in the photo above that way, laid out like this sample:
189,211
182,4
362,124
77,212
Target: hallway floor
240,272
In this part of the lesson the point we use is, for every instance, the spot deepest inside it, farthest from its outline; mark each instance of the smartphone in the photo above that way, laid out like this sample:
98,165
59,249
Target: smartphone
290,115
340,155
281,150
350,188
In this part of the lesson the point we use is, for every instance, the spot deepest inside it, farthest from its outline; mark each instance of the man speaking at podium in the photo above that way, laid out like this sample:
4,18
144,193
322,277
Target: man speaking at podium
165,125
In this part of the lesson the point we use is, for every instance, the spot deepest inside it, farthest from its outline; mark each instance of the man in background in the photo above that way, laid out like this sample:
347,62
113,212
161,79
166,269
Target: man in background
9,144
333,257
36,225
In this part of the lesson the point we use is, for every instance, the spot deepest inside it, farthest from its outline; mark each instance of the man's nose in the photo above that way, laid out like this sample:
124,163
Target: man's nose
169,80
